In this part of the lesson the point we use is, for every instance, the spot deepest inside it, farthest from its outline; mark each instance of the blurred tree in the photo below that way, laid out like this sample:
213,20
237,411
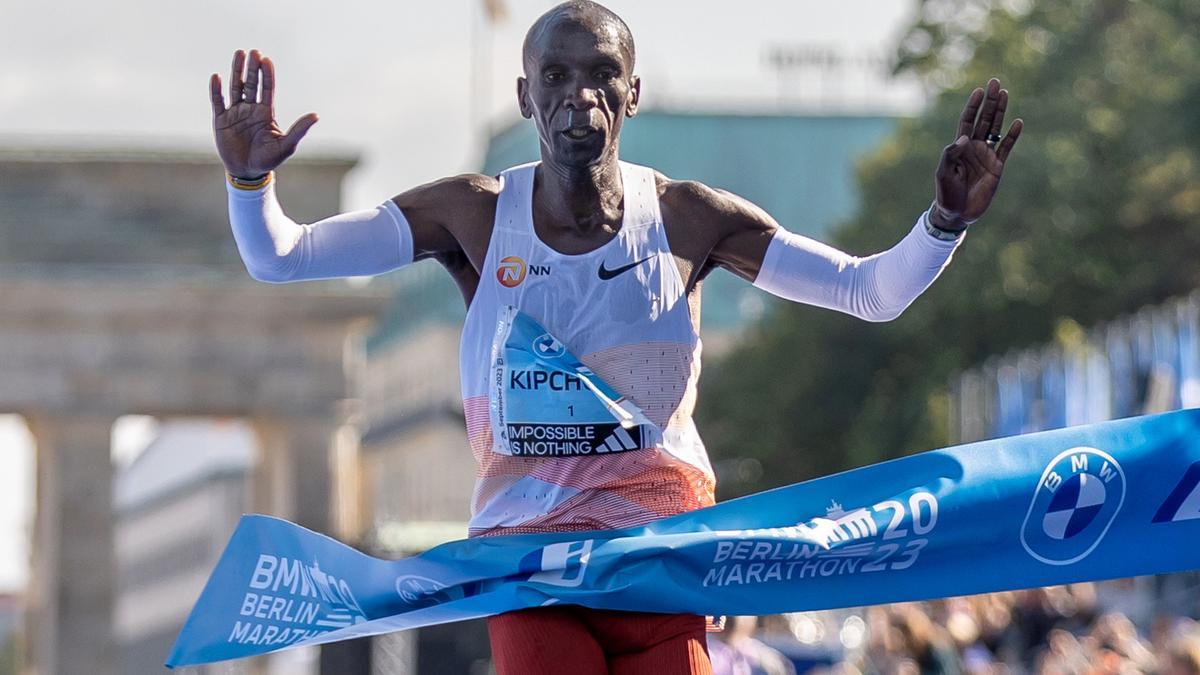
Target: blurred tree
1099,214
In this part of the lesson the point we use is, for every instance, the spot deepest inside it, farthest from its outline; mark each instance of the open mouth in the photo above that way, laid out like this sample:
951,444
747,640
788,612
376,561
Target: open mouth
579,133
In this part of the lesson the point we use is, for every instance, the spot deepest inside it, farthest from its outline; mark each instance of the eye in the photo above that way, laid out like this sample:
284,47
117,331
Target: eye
606,74
553,76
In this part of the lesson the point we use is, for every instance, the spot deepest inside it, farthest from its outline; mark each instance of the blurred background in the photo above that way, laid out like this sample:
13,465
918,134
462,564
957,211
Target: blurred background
150,392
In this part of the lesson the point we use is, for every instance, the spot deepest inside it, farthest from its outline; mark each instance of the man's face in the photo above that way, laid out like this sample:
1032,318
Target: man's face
577,89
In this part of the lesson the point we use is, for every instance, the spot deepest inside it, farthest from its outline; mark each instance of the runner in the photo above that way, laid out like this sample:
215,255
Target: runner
582,275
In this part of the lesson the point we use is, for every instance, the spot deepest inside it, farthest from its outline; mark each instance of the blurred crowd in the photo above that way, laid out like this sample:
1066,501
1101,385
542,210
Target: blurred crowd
1145,625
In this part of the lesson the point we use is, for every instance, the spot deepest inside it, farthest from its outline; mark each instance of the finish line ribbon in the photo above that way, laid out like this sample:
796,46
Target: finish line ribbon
1108,500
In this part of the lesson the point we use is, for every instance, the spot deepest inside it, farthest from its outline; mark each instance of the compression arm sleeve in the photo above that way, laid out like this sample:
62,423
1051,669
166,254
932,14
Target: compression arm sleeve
276,249
875,288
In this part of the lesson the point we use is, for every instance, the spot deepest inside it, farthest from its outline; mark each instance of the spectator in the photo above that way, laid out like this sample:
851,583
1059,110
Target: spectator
1184,656
928,644
735,651
1048,631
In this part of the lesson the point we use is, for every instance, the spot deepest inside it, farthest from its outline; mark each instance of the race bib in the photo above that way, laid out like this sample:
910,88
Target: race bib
544,403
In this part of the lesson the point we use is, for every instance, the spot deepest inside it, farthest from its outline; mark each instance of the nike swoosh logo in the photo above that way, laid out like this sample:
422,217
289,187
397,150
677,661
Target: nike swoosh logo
606,274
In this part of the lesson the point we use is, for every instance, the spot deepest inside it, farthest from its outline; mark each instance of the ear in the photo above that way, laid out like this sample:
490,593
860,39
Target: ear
635,95
523,98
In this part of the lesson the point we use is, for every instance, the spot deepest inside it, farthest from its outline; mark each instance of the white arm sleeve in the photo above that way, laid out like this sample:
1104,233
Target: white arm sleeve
875,288
276,249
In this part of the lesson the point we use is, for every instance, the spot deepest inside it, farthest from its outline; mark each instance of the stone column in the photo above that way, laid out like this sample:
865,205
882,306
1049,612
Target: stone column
295,477
349,506
73,577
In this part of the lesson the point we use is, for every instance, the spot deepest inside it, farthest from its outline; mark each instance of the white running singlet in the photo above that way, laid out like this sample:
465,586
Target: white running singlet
623,310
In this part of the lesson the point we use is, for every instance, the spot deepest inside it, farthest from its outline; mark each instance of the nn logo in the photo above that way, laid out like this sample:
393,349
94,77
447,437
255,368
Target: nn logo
512,270
561,564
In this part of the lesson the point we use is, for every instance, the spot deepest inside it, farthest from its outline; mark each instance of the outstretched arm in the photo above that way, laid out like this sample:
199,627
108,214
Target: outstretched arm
273,246
797,268
878,287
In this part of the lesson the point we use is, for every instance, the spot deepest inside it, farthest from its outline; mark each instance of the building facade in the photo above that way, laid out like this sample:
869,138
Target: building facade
175,507
123,293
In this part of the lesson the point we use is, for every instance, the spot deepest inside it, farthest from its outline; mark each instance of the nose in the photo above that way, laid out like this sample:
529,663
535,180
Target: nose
582,97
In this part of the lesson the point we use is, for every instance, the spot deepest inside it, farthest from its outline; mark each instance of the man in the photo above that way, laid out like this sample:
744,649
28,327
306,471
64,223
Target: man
582,254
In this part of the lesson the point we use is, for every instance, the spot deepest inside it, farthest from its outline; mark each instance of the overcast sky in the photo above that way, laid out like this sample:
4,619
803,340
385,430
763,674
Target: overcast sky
393,81
405,86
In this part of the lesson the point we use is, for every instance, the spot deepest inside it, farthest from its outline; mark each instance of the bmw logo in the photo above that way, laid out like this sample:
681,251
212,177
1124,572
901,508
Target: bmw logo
1075,502
420,591
548,347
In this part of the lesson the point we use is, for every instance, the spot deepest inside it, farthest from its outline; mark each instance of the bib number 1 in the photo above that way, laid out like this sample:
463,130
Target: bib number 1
545,403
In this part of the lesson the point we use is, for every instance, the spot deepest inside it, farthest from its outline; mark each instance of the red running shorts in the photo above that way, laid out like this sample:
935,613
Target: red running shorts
582,641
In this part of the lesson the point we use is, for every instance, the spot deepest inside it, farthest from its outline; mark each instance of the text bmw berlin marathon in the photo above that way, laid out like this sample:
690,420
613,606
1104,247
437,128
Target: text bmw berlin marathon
289,601
1075,500
881,545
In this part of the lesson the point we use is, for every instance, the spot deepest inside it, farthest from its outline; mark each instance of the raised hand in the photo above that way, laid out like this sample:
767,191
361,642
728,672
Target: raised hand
970,169
249,141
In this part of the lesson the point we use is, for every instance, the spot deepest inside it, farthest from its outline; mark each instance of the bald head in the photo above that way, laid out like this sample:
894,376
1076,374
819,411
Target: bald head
591,16
579,84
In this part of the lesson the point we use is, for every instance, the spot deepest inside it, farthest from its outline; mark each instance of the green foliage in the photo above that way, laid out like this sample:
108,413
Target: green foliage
1098,214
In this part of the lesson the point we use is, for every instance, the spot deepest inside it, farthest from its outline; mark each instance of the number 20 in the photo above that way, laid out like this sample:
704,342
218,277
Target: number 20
919,525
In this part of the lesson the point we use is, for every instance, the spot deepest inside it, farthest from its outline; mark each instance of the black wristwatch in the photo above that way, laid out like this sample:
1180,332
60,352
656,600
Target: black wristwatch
248,183
938,232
